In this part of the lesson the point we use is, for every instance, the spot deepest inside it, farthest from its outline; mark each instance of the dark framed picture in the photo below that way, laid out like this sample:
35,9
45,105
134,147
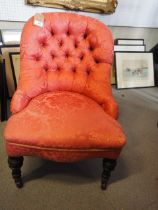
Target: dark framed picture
3,95
4,51
134,69
1,39
15,65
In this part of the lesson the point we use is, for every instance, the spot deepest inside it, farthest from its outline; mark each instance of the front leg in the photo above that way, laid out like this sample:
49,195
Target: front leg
108,166
15,163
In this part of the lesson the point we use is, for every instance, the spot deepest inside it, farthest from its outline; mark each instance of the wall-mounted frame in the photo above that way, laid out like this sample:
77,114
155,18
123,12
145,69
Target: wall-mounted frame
1,39
134,69
113,75
15,65
11,36
98,6
120,41
4,50
131,48
3,96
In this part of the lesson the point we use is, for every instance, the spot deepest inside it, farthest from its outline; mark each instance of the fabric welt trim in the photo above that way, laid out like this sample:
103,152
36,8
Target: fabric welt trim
62,149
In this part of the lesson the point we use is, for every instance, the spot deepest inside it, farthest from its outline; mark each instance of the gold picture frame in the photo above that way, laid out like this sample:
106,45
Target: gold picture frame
15,65
113,75
97,6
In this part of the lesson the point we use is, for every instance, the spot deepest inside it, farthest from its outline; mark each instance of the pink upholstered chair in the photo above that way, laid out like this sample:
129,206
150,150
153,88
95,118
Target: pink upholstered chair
63,108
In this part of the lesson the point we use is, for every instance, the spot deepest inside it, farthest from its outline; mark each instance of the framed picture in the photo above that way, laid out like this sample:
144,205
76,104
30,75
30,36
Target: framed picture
1,39
4,50
130,41
11,36
3,96
98,6
131,48
15,65
134,69
113,73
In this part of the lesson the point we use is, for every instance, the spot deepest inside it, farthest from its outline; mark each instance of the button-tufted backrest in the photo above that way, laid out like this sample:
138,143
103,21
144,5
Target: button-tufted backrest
71,53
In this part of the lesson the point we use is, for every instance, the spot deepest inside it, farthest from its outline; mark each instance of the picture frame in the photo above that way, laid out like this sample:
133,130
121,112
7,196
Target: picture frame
113,75
1,38
130,48
3,91
134,69
11,36
97,6
15,65
121,41
4,51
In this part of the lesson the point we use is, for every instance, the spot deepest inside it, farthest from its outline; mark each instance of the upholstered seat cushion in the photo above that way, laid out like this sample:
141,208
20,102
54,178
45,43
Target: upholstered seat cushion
63,121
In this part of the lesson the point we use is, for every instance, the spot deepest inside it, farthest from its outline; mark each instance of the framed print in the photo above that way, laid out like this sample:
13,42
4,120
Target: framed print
134,69
1,39
3,96
130,41
15,65
98,6
11,36
131,48
113,78
4,50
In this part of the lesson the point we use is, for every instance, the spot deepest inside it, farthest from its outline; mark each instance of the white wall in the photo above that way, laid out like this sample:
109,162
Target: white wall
136,13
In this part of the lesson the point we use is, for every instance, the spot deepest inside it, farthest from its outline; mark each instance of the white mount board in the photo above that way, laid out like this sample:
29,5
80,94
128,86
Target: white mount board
136,13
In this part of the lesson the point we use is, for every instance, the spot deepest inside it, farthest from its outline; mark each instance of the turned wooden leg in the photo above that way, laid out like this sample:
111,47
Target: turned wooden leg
15,163
108,166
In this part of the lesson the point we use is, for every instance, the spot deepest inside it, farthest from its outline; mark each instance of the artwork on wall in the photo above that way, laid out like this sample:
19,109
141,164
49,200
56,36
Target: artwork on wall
98,6
113,73
11,36
3,98
4,51
15,65
134,69
134,48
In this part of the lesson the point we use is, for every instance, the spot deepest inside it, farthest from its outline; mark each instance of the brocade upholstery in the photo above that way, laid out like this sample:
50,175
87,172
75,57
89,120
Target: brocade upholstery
63,108
65,121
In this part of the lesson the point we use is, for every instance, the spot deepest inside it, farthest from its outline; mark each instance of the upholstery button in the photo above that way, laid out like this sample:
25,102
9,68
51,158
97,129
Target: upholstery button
52,55
85,35
43,41
68,33
81,57
88,71
96,60
75,45
46,67
61,43
43,44
58,68
52,32
67,54
74,69
37,57
91,48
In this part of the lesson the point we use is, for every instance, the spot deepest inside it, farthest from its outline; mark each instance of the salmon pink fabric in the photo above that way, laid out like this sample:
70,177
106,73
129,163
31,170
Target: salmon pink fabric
71,52
64,121
63,108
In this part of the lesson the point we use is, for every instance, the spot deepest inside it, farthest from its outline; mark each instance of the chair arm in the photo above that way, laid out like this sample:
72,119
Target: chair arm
111,108
19,101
